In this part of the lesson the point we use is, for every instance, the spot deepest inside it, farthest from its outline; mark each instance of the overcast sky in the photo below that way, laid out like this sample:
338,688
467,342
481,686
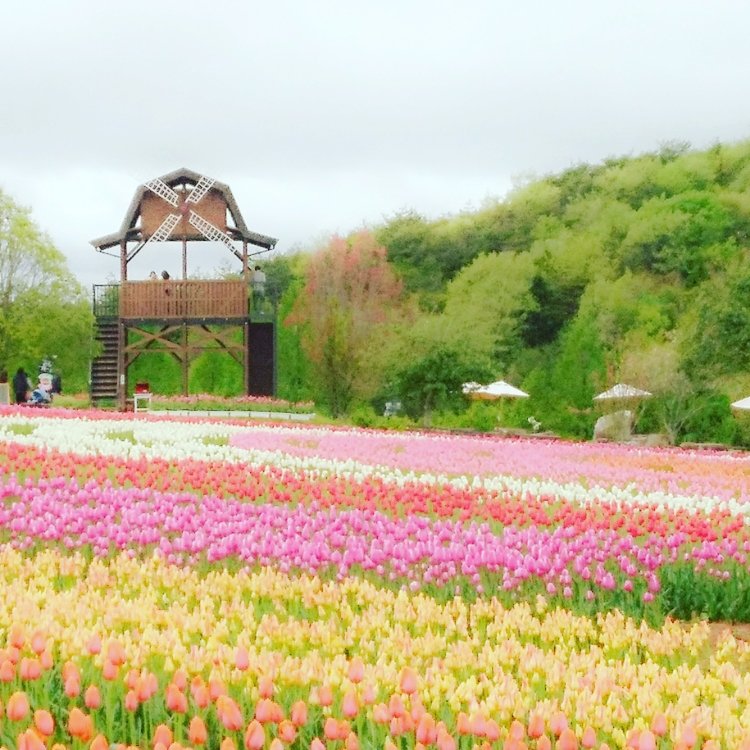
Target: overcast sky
324,116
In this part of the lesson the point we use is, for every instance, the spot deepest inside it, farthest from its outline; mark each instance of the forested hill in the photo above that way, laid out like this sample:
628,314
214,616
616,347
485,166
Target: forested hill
635,269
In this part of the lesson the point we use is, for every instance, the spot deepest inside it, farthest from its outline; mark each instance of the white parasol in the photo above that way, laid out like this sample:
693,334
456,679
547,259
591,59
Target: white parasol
496,390
622,392
743,404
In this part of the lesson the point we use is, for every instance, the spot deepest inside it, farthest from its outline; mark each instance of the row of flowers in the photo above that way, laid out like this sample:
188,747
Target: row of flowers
210,402
579,473
152,645
417,551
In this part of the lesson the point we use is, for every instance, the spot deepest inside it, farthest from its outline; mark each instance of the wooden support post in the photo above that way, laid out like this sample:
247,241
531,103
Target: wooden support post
185,359
122,366
248,359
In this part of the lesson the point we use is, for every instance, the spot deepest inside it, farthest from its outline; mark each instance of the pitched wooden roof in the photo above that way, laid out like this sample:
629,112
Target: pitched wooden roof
130,231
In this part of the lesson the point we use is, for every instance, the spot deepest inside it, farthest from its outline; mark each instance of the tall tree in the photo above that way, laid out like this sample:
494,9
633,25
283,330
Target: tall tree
349,297
43,309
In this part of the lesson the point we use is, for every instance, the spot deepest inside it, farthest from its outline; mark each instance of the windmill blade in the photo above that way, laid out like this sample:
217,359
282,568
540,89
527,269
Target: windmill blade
162,233
201,188
163,191
210,232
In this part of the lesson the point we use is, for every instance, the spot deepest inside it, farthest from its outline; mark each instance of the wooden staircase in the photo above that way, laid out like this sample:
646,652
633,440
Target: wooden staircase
104,367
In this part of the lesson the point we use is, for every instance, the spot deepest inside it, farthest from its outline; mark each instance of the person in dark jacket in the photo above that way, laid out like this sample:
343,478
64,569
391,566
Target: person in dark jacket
20,385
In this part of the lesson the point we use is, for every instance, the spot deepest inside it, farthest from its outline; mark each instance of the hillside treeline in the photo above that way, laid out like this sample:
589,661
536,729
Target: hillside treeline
632,270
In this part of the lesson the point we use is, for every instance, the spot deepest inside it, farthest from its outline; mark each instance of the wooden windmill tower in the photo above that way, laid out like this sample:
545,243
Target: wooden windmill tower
180,316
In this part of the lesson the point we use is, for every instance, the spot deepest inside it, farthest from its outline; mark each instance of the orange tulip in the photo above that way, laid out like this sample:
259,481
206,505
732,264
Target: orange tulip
241,658
380,713
110,671
558,722
228,744
287,731
567,740
132,702
544,743
536,726
7,671
265,687
16,637
408,682
94,645
99,743
255,736
38,642
264,711
162,735
201,696
325,695
276,744
175,699
299,714
197,734
180,679
689,736
229,713
131,678
18,706
589,738
73,686
46,660
70,670
356,670
30,669
350,705
331,729
316,744
29,740
80,725
115,653
462,724
426,733
351,742
13,654
44,722
492,730
659,725
216,688
396,706
92,698
445,741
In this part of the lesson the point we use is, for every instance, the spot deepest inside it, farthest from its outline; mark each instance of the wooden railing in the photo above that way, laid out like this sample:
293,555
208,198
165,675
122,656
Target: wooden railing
183,299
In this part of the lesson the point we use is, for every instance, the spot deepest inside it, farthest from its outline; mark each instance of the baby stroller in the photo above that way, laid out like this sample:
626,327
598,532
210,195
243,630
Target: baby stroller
40,397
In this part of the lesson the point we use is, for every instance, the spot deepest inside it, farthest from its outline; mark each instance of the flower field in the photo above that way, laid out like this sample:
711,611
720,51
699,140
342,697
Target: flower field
172,583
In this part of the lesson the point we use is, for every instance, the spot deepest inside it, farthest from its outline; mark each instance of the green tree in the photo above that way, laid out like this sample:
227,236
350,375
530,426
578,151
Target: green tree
346,310
44,311
433,381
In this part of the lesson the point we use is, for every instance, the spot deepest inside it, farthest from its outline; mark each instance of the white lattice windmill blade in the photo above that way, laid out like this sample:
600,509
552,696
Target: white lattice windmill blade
164,191
201,188
209,231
